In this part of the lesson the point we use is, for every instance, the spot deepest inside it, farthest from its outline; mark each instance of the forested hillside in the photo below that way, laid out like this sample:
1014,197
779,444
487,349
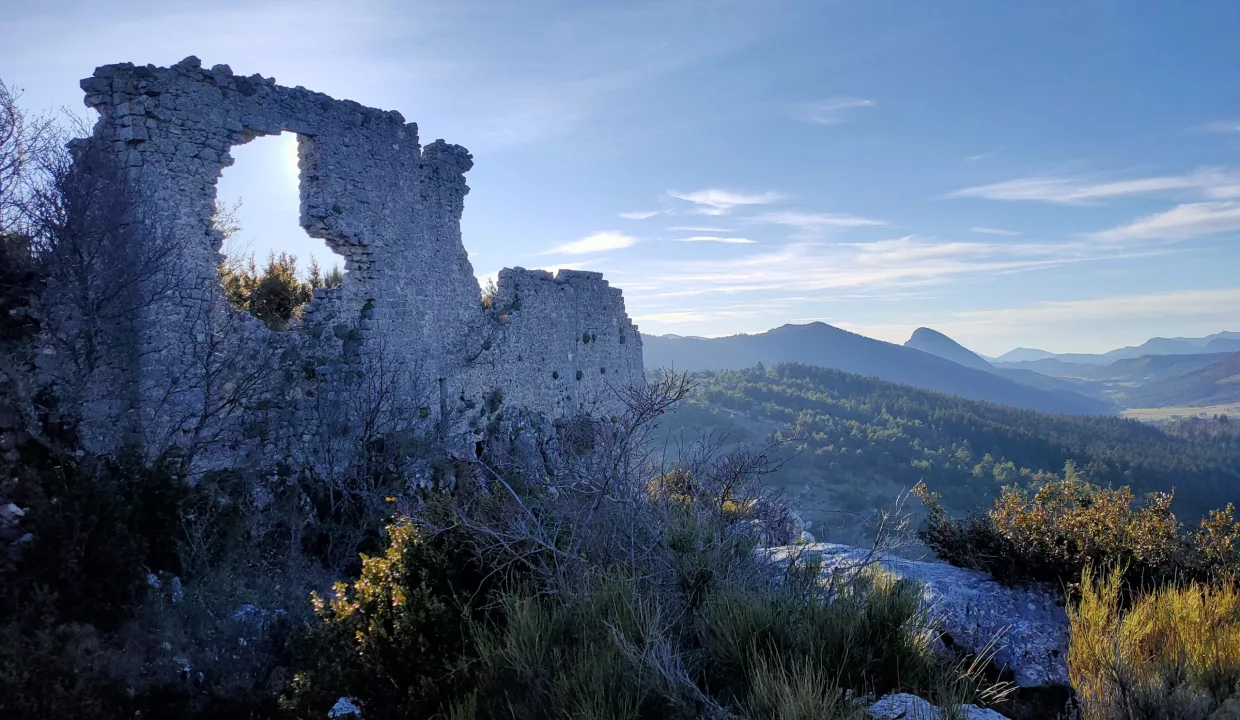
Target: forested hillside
862,440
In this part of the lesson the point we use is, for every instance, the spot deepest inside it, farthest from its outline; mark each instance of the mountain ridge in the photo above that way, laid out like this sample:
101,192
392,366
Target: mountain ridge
827,346
1221,342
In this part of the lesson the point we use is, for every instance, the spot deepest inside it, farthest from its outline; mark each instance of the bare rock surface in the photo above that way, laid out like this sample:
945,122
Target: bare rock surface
903,706
1029,626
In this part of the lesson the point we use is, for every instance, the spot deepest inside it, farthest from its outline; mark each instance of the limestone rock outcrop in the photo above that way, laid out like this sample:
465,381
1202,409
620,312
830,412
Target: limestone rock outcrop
1028,626
903,706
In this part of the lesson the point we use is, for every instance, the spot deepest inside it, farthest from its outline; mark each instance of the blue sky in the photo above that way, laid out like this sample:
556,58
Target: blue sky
1054,174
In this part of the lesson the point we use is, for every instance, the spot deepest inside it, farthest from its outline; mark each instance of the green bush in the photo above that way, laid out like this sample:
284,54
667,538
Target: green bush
275,295
97,528
397,636
1068,525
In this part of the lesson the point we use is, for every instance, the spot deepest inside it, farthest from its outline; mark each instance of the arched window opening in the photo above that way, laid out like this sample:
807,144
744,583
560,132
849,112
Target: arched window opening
270,267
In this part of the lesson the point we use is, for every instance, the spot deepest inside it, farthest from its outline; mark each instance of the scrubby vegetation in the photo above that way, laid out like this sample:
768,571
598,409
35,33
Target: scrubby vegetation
686,624
1065,526
1171,653
618,579
617,590
1153,607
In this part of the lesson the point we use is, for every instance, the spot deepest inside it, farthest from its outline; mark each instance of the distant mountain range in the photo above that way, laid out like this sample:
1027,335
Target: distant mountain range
1216,383
827,346
1162,372
1223,342
1140,369
936,343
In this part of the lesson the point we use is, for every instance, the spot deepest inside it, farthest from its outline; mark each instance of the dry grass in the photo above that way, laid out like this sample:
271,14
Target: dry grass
1170,413
1175,653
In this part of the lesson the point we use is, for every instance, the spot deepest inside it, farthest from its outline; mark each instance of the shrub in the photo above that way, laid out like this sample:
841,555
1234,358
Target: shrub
802,692
396,636
97,528
1067,525
276,295
1175,653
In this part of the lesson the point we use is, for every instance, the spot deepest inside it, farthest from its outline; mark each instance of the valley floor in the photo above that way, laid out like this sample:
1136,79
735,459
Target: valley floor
1171,413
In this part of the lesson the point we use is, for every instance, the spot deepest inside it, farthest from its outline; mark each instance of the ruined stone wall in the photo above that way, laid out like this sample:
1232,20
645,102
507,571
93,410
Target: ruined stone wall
567,344
410,302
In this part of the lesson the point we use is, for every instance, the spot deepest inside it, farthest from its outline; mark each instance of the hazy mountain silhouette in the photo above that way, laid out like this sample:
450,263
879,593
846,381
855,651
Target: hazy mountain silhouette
1213,384
827,346
936,343
1021,354
1222,342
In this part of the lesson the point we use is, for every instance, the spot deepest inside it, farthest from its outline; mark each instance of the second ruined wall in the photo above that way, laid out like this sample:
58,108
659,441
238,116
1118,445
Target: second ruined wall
566,343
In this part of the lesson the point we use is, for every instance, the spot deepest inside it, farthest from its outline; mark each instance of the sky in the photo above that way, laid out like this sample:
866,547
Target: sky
1061,174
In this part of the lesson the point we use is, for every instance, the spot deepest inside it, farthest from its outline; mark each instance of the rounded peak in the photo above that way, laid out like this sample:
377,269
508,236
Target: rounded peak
925,333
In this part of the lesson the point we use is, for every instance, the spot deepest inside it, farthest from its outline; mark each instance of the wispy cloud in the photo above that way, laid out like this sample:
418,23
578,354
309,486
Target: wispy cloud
1083,191
810,225
714,201
698,228
998,329
1180,223
994,231
831,111
1179,303
770,284
810,267
1224,192
640,214
715,239
594,243
1222,126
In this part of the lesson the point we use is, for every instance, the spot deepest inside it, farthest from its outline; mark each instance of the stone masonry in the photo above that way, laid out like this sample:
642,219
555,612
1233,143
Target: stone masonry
554,345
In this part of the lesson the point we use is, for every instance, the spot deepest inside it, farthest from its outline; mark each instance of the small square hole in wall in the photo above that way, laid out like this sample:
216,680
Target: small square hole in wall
271,266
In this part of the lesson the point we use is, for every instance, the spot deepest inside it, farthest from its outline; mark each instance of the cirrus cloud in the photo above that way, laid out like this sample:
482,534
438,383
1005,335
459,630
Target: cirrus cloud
831,111
994,231
716,239
594,243
716,201
640,214
1082,191
1179,223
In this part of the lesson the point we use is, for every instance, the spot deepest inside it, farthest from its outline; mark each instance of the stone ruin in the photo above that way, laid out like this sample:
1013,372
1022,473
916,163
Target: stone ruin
407,326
